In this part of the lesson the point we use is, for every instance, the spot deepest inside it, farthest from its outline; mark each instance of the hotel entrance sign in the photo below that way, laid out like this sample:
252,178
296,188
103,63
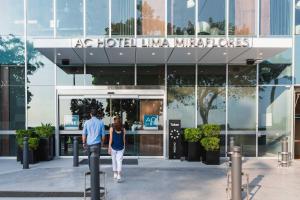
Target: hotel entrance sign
162,42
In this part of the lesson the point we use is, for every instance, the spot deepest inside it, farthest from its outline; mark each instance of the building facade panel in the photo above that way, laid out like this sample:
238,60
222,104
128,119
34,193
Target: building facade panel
245,86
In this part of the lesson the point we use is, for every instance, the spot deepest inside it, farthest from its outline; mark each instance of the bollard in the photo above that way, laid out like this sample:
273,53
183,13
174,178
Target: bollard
95,180
285,151
25,153
231,145
75,152
236,174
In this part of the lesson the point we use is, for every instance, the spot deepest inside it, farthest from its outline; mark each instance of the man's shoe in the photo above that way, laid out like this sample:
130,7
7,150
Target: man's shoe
115,175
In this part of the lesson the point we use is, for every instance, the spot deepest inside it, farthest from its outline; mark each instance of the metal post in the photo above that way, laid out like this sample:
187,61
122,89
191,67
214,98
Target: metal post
285,151
75,152
231,145
236,174
25,153
95,180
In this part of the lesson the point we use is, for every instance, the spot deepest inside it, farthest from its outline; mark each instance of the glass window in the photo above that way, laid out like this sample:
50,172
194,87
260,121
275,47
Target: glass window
297,59
242,118
69,17
12,75
181,17
297,17
41,108
242,75
40,18
275,17
211,17
122,17
151,17
112,75
70,75
8,145
12,50
97,17
12,17
40,70
274,118
12,107
242,17
181,94
275,73
211,75
151,75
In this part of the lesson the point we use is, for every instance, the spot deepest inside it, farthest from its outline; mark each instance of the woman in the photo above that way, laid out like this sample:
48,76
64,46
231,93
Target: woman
117,146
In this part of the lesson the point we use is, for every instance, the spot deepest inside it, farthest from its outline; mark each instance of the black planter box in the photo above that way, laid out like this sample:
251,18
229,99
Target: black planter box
45,149
32,157
212,157
193,151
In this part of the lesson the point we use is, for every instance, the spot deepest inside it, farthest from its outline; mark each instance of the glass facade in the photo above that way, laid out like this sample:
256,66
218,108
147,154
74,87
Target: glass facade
181,17
275,17
211,17
252,103
242,17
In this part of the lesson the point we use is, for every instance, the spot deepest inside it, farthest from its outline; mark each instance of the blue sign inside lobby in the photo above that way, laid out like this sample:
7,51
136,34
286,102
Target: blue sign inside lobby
150,121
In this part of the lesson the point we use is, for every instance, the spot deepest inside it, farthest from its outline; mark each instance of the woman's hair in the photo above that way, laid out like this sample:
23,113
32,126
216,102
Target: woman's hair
117,124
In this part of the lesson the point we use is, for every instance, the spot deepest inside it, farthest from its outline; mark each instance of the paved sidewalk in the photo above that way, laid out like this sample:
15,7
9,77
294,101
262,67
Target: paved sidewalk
154,179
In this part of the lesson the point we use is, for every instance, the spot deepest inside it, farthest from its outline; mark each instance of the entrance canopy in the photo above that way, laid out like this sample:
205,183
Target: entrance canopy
98,51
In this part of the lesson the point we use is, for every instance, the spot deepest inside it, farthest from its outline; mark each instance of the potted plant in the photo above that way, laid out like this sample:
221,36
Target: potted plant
211,144
192,136
33,143
46,142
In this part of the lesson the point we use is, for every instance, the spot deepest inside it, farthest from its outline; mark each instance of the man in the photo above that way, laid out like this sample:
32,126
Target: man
93,132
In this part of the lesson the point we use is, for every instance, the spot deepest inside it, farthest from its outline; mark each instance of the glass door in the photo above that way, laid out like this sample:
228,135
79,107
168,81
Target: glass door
142,117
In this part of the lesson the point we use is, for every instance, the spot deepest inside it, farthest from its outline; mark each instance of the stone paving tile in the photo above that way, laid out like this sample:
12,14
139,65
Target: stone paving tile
156,179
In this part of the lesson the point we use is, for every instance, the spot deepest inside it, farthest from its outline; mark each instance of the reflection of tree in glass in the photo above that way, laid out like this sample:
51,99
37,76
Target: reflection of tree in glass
12,51
82,107
147,22
189,29
119,107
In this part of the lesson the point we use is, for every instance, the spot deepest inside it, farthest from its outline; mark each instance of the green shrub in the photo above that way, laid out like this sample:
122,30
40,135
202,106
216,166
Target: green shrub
33,140
211,143
33,143
211,130
192,134
44,131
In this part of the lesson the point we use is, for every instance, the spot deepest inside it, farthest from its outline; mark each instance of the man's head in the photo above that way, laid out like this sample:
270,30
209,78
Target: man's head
93,112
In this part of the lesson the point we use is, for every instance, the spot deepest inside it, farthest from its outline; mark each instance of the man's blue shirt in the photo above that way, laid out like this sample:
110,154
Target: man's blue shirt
94,130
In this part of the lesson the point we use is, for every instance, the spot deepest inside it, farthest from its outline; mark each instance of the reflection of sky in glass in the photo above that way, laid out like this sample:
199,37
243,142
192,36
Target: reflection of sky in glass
279,109
96,17
241,107
41,106
180,14
11,20
211,8
43,75
122,10
40,18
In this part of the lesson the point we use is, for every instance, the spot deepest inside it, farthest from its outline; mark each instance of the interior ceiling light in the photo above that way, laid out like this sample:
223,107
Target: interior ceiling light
190,3
121,54
225,53
59,54
153,53
188,53
91,53
260,53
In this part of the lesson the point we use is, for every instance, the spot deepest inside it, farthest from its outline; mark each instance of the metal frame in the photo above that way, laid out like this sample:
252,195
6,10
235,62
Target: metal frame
156,94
